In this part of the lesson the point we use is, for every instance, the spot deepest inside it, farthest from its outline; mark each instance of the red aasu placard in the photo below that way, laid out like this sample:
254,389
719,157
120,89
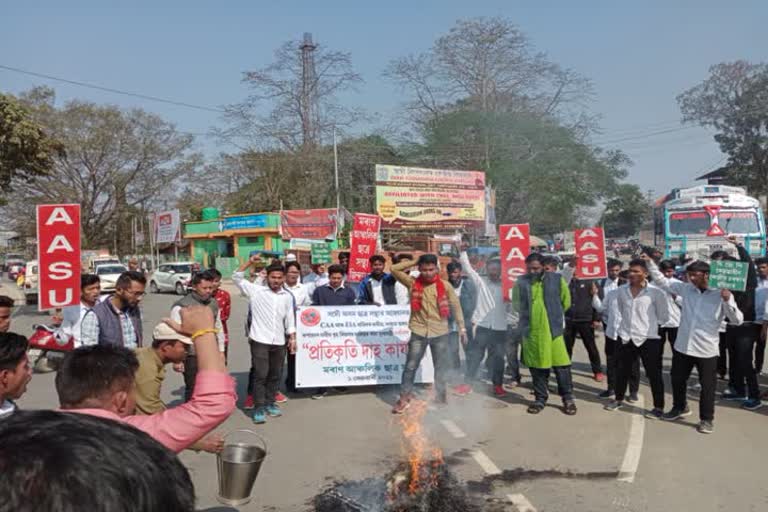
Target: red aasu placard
515,242
363,240
590,249
58,253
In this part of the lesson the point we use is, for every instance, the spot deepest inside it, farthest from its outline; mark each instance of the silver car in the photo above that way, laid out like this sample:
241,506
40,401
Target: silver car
108,275
171,277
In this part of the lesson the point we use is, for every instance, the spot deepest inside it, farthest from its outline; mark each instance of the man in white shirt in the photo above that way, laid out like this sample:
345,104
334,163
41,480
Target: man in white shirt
698,338
302,296
72,316
668,331
272,323
15,372
762,284
642,308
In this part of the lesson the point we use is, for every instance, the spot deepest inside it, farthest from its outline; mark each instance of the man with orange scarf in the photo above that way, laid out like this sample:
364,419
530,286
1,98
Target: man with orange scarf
432,302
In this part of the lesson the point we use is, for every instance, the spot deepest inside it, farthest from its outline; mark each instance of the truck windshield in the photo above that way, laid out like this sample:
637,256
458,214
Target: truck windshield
742,223
699,222
689,223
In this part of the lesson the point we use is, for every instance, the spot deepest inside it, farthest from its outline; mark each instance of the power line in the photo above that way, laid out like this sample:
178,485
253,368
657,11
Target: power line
114,91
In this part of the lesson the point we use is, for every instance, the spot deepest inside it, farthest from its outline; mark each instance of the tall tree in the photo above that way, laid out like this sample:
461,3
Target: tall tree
734,101
625,212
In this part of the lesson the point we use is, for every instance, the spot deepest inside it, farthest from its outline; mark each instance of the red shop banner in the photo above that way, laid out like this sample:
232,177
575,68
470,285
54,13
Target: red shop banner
515,241
319,224
590,249
58,250
363,239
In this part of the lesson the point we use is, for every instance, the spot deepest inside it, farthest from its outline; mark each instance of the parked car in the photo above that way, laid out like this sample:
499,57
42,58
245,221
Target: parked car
108,275
171,277
31,277
103,260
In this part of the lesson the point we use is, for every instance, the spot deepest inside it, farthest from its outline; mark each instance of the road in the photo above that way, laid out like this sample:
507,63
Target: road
595,460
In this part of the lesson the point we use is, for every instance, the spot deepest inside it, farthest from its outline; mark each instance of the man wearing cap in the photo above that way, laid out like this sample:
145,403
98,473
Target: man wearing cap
168,347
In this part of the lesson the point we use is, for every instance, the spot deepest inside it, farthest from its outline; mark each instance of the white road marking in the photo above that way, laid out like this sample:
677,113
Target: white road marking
453,429
484,462
634,446
521,502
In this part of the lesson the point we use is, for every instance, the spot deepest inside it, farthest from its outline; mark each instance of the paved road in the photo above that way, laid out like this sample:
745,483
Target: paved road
549,462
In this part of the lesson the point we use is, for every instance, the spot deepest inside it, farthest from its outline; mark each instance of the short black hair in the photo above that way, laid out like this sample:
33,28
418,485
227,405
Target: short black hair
205,275
454,265
275,267
548,260
534,256
761,261
698,266
50,460
377,257
427,259
336,269
666,265
215,273
719,255
13,348
128,277
88,280
613,262
294,264
6,301
93,371
344,255
639,262
624,274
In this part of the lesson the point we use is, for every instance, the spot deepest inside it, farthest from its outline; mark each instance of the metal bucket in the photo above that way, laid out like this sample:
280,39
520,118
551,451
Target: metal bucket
238,465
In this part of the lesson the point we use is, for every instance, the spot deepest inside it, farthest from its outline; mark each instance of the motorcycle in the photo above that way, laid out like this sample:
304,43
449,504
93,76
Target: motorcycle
50,345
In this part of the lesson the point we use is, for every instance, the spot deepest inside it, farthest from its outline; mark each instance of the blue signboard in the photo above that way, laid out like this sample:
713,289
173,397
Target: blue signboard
244,222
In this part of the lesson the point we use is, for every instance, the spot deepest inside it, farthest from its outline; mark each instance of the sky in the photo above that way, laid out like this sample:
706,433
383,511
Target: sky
638,57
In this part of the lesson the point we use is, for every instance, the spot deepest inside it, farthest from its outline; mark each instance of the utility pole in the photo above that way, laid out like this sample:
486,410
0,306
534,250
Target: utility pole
308,107
336,177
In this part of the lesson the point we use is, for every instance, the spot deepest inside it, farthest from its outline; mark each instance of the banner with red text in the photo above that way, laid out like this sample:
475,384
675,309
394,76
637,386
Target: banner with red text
317,224
58,250
362,245
515,244
590,249
354,346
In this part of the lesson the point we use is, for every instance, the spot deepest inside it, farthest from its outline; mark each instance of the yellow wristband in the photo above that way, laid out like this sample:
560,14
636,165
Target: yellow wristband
199,333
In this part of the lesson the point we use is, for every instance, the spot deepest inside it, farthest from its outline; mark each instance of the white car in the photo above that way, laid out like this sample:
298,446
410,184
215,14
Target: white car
171,277
108,275
31,276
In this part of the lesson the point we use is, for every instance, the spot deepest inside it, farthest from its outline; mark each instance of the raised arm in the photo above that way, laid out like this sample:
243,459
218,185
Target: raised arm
745,257
399,272
470,270
660,280
238,277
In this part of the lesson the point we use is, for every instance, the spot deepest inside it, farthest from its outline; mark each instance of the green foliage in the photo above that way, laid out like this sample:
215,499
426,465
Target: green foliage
625,212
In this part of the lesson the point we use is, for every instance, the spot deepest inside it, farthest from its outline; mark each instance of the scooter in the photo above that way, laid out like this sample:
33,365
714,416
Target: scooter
51,345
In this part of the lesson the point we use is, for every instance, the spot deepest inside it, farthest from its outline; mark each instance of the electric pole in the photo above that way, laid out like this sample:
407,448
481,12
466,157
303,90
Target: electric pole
308,107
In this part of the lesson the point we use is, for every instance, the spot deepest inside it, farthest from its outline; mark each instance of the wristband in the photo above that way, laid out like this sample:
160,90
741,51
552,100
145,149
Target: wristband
199,333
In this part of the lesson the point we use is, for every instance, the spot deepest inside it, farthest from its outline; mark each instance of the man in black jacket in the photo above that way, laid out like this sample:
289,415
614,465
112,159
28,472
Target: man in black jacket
378,287
581,319
467,294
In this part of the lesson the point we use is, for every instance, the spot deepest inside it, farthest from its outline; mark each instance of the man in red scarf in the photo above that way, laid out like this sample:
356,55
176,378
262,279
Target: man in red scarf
432,302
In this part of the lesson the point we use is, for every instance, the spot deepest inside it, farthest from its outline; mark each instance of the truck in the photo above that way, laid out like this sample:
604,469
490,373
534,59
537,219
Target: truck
694,221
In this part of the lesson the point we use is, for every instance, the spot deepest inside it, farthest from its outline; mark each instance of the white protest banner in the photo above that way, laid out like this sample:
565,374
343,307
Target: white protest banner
167,227
354,346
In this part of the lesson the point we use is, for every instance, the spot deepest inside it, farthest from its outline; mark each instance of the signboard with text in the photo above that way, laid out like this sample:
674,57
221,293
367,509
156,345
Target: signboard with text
321,253
257,221
362,244
729,275
58,249
590,250
318,224
167,226
354,346
515,244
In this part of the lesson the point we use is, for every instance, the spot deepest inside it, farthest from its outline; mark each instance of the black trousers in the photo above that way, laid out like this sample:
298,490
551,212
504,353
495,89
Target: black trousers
682,365
612,348
190,375
493,342
668,334
587,334
442,359
759,354
267,363
722,361
650,352
741,342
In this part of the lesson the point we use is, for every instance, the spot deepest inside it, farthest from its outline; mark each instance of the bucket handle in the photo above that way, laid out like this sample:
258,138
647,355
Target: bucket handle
263,442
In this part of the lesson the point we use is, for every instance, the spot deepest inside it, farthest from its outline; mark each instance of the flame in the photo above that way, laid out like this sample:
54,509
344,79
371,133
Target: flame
418,449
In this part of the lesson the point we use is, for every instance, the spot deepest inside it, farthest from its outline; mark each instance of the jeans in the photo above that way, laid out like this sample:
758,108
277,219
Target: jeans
650,352
741,342
587,333
190,375
267,363
612,348
514,342
495,343
454,376
541,383
440,347
682,365
668,334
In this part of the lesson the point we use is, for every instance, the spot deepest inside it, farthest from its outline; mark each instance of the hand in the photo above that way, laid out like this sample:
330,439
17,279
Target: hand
594,290
212,443
645,257
725,294
463,337
732,239
254,258
596,324
193,319
178,367
292,345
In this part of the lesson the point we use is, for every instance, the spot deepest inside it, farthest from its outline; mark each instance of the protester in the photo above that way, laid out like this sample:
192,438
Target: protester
6,312
168,347
224,300
541,299
467,294
318,276
668,331
378,287
344,262
54,461
490,320
550,264
72,316
133,264
433,301
201,294
762,284
581,319
117,319
703,311
15,371
302,297
402,295
642,308
272,327
100,381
